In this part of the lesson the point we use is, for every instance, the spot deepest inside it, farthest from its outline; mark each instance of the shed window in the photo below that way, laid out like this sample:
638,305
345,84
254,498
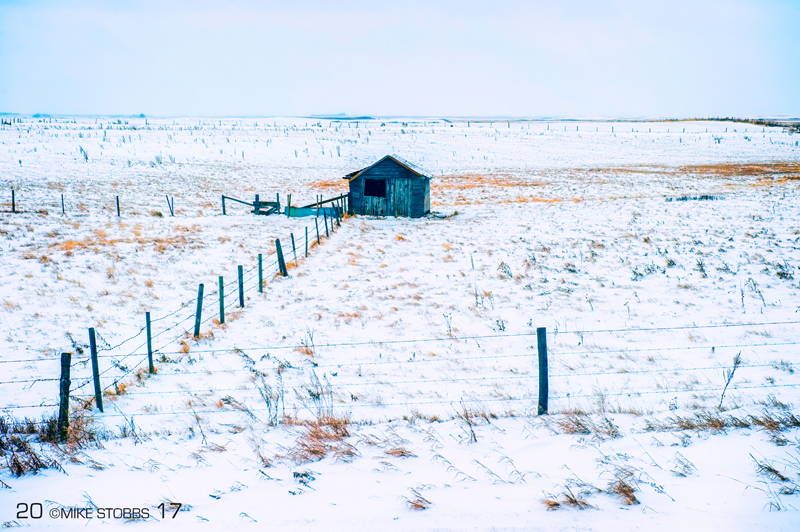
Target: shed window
375,188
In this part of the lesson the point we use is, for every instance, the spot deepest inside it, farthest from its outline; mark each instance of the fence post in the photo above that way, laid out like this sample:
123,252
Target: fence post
257,206
149,342
241,286
541,336
306,242
260,274
223,205
199,312
63,404
98,395
288,205
316,224
13,201
171,206
281,263
294,249
117,206
278,201
63,210
221,301
325,218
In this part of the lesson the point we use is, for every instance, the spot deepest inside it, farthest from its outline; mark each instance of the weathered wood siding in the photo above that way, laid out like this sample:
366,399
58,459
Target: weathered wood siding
407,194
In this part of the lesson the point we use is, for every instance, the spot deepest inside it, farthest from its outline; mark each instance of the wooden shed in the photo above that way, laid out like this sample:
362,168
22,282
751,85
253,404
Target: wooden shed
390,187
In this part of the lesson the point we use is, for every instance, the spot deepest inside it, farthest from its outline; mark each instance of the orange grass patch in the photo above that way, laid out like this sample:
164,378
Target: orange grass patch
336,185
470,181
786,169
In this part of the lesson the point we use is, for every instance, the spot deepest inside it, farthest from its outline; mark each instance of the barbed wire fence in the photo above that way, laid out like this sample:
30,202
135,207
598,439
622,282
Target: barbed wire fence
134,360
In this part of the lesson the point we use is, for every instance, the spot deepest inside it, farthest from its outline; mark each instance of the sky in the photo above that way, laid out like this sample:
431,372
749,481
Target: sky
568,59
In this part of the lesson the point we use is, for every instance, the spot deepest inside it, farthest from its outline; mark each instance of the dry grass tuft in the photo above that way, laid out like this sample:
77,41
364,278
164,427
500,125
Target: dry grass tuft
582,424
551,504
417,501
772,423
624,490
575,424
400,452
326,435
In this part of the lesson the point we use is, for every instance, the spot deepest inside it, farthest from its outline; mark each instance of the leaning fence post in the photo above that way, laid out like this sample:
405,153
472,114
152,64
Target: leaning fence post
117,206
325,217
221,301
260,274
170,205
63,404
316,224
98,395
149,342
241,286
541,336
294,249
281,263
199,312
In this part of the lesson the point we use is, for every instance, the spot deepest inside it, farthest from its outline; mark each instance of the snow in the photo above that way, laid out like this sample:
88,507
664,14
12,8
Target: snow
420,332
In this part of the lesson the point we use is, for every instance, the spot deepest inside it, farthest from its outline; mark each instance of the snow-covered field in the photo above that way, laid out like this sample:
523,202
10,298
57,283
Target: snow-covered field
391,381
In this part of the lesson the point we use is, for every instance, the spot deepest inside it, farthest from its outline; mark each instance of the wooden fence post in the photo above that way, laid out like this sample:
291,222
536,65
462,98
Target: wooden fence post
98,394
63,210
149,342
281,263
223,205
325,217
13,201
257,206
63,404
198,314
541,336
221,301
294,249
306,242
260,274
288,205
241,286
117,206
278,202
316,224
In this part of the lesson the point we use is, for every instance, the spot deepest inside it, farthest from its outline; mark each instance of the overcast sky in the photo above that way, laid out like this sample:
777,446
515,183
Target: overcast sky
412,58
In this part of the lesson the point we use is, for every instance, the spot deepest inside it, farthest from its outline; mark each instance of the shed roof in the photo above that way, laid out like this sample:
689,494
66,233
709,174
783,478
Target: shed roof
397,159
